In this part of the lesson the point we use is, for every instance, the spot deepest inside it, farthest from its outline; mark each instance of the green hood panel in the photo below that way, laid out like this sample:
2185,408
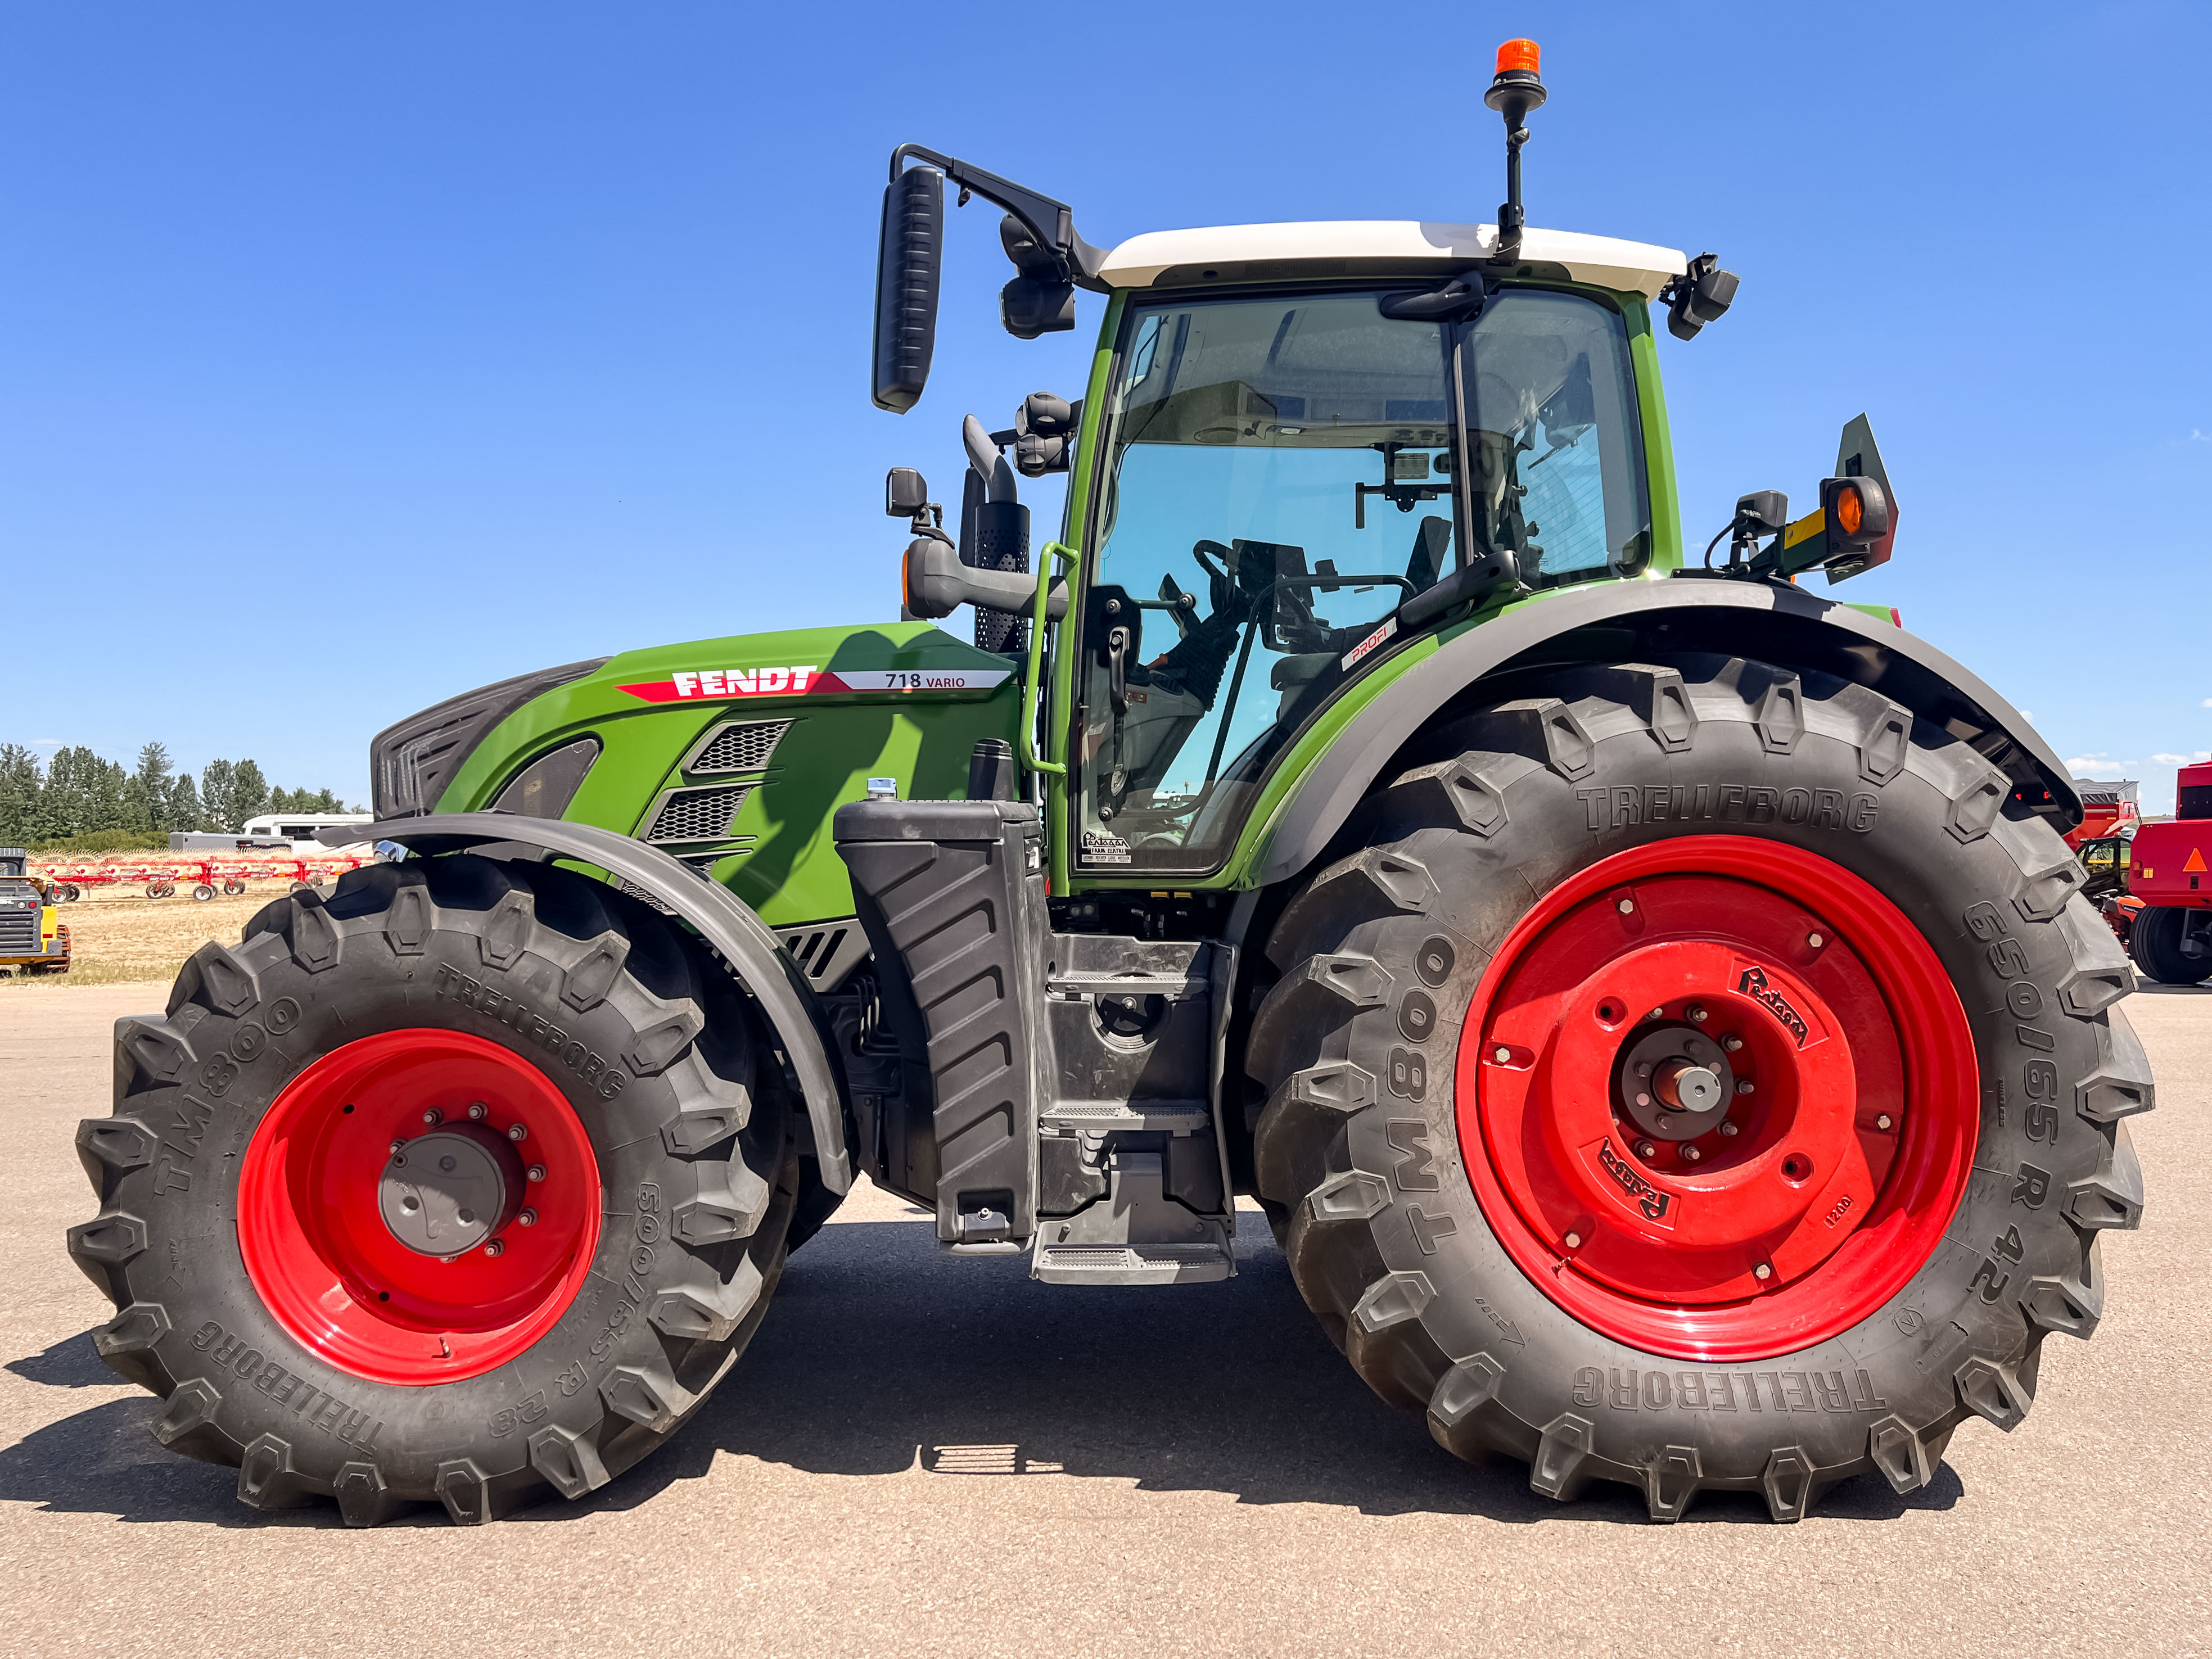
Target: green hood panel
904,700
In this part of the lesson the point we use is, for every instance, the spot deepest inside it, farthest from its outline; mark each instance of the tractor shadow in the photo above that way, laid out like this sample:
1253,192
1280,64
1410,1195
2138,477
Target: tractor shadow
101,1461
881,1357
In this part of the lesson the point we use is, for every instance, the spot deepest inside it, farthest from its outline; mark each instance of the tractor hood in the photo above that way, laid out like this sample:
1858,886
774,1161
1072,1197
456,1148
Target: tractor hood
730,754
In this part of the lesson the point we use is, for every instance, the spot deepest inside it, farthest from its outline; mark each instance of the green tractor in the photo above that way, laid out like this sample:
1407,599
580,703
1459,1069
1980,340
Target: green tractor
1651,1004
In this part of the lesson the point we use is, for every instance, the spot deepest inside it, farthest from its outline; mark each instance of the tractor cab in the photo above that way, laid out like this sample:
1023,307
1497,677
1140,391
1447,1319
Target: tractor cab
1307,455
1293,477
1305,446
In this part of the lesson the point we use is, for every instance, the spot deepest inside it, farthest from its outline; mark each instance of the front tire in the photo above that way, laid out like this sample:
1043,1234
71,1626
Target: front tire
591,1082
1680,857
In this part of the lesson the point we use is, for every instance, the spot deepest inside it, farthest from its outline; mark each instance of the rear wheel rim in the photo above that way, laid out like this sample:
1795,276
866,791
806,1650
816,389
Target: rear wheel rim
1649,1223
373,1295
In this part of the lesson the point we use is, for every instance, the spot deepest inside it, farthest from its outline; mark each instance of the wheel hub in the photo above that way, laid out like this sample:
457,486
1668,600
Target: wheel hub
1690,1111
1673,1082
449,1191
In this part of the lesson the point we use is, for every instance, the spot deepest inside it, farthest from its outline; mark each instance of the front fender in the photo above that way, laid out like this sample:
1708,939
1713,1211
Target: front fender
723,920
1626,622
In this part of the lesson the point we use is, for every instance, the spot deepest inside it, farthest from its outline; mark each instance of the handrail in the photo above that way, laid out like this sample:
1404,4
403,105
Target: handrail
1028,733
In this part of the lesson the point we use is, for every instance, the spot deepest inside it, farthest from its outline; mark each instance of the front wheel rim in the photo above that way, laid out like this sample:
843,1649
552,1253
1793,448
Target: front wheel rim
322,1171
1655,1226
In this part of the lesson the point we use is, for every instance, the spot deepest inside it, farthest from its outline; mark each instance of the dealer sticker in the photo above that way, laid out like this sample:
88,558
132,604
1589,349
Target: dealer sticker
1099,848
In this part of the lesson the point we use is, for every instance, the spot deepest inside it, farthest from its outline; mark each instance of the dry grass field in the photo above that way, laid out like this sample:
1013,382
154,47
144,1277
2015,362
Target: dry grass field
118,936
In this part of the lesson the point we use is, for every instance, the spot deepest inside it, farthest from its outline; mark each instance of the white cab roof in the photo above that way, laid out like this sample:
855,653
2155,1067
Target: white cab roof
1602,261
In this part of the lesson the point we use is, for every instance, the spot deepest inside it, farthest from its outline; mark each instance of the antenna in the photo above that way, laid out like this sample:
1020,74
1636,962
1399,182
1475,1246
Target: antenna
1513,94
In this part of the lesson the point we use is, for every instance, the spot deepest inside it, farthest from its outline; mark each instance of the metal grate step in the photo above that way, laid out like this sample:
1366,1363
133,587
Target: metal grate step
1132,1264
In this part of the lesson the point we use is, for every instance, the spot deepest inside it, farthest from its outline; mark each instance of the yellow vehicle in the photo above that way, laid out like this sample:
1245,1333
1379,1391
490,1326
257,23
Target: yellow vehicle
30,940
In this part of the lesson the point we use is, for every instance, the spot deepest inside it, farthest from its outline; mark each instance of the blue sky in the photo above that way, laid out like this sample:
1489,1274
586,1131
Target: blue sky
353,356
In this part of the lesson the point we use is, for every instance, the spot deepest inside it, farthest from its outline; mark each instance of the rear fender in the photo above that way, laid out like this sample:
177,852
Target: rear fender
742,939
1630,620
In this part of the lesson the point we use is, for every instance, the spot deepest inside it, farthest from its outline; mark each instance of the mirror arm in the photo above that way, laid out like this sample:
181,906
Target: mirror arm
1050,223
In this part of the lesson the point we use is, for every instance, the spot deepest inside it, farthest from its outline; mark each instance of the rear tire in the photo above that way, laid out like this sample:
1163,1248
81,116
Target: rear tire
1379,1142
2156,939
642,1060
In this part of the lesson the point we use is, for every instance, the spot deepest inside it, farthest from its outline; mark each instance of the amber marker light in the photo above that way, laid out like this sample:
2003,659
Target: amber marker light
1850,511
1518,55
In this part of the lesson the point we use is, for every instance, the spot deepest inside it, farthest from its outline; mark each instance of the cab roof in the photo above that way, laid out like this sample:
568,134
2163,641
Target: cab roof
1375,247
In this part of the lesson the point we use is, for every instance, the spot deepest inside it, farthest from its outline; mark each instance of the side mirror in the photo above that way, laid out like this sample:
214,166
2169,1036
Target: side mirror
908,261
1700,296
906,492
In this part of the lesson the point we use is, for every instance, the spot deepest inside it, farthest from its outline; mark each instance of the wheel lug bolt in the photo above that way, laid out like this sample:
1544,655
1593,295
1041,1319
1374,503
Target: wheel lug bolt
1643,1100
1691,1154
536,1172
395,1145
497,1247
1744,1085
1627,907
434,1117
1501,1055
1882,1123
516,1131
1697,1013
478,1111
1815,940
1645,1149
1732,1042
1657,1013
1664,1122
1574,1241
1764,1270
1729,1130
527,1219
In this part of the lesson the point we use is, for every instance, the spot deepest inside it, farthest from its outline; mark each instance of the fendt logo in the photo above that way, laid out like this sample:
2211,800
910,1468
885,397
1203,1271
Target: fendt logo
1753,985
720,684
713,683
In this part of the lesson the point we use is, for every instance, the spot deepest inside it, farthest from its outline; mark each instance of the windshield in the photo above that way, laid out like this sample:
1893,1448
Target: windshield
1279,479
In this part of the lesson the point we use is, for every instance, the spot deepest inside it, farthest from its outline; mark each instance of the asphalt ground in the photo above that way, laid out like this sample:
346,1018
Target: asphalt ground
929,1456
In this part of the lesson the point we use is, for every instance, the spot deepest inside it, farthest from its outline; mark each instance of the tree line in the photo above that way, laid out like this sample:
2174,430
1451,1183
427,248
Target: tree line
79,793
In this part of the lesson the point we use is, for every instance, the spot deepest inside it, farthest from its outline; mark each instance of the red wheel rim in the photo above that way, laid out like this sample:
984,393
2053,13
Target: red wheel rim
1850,1154
312,1227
